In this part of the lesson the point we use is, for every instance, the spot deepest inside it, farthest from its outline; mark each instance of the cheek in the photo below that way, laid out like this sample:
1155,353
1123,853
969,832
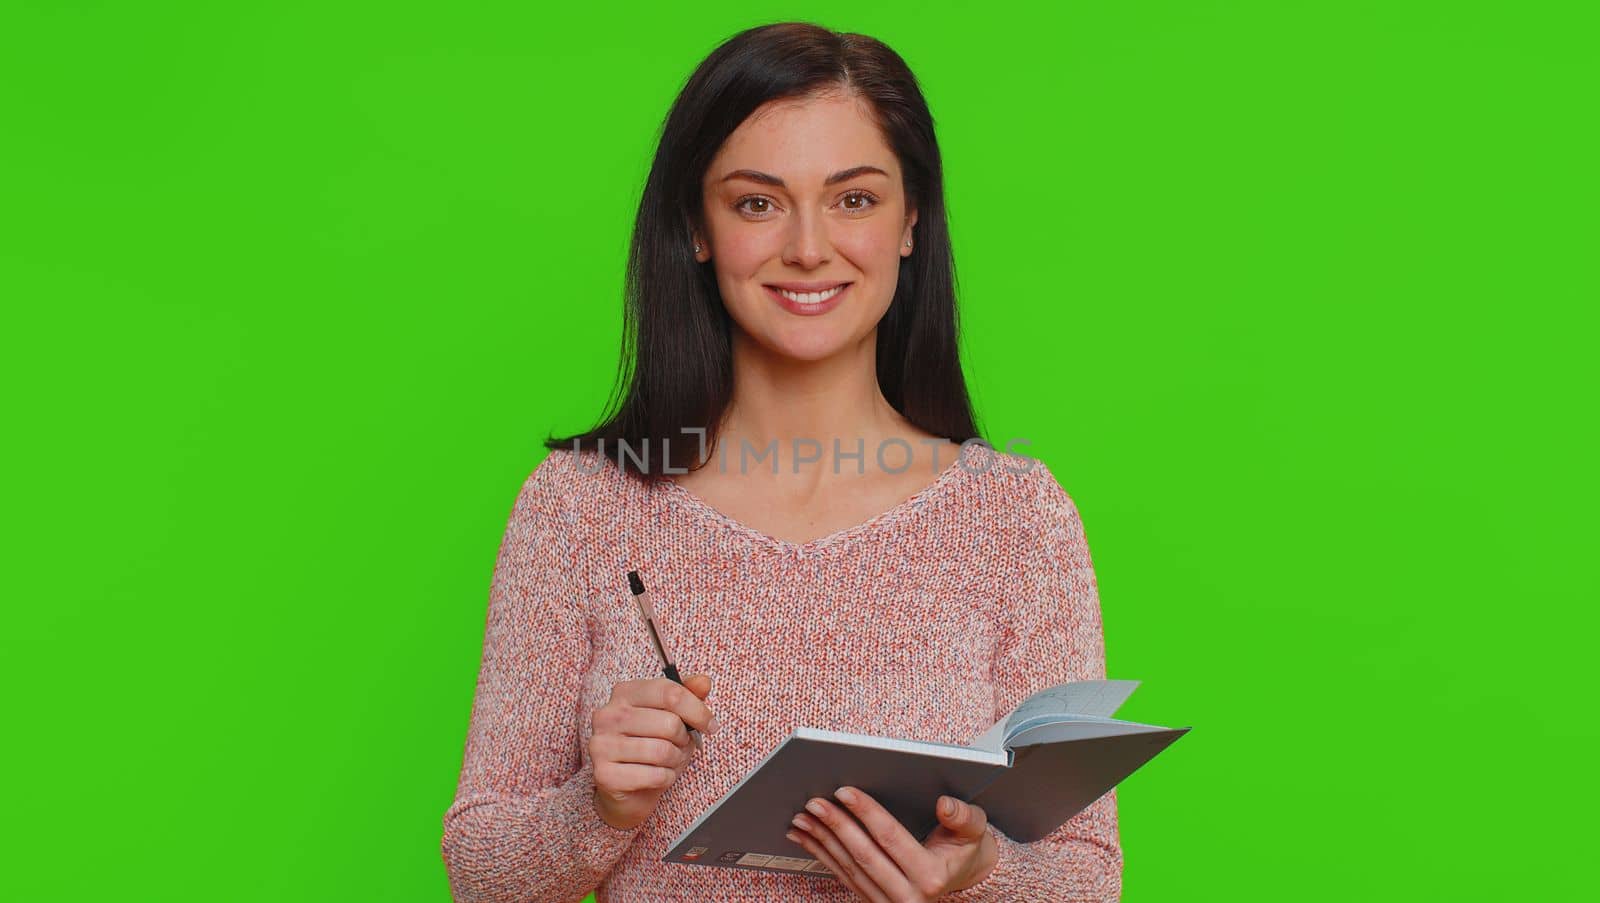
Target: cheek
875,251
870,248
744,252
739,260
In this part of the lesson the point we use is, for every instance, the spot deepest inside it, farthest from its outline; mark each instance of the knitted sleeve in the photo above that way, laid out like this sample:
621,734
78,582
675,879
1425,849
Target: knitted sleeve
1052,634
523,824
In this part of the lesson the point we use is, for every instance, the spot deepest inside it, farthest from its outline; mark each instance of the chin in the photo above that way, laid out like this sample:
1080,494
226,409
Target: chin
802,339
801,347
806,351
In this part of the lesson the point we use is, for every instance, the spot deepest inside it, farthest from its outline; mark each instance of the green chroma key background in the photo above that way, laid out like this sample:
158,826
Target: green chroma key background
1296,301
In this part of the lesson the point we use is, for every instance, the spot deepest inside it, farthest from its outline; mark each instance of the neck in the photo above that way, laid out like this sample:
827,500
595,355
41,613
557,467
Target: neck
784,400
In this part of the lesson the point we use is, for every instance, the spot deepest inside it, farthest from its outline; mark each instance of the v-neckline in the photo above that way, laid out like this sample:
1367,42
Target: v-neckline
946,479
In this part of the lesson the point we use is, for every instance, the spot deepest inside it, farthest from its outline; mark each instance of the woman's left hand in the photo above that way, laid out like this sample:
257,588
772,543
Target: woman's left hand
879,859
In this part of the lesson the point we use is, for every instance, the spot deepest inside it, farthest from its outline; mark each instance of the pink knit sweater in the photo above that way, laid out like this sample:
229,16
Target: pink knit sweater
926,622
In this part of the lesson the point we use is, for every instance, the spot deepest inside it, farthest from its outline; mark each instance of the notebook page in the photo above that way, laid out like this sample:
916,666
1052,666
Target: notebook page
1084,697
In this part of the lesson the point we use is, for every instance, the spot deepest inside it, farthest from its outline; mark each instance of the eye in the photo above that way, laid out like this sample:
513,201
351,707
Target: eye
854,202
756,199
867,201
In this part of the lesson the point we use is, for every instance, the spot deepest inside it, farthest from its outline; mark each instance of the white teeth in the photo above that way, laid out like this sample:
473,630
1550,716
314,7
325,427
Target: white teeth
811,297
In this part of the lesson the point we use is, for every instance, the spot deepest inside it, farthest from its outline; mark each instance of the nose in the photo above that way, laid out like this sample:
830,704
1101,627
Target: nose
808,245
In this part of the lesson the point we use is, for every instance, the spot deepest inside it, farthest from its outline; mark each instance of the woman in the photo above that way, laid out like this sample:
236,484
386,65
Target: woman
790,303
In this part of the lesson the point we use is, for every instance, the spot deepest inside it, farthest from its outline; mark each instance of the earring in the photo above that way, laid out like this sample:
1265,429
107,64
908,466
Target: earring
697,247
908,243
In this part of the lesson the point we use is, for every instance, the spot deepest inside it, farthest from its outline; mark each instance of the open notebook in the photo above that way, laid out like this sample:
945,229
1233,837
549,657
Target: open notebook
1058,751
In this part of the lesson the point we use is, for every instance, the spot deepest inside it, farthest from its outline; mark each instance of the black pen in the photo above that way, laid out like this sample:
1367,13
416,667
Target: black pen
668,668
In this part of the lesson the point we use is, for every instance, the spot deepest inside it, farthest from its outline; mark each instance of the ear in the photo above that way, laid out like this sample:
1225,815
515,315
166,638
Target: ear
697,236
905,235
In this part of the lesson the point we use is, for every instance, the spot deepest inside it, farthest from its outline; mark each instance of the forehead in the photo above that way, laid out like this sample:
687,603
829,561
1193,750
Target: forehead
804,140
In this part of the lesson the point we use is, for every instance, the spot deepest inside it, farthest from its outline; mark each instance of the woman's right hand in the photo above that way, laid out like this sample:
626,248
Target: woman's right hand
640,744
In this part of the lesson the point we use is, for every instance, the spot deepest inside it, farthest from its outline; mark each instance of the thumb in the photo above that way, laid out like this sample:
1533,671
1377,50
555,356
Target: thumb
959,816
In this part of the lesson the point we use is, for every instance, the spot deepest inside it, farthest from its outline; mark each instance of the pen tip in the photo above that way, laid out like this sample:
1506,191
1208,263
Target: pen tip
635,584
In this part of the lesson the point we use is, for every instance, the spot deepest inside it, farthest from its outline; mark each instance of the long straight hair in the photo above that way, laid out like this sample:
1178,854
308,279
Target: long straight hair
676,371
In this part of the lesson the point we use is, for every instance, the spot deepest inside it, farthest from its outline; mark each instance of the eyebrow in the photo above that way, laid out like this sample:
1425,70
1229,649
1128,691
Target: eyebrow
842,175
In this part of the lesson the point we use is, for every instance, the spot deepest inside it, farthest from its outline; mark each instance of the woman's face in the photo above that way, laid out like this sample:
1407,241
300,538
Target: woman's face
806,195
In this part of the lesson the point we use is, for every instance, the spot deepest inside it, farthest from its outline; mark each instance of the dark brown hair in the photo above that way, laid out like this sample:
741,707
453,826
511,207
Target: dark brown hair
677,357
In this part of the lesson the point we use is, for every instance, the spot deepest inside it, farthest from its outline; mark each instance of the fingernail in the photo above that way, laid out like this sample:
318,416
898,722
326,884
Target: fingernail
815,807
846,795
799,821
711,728
793,836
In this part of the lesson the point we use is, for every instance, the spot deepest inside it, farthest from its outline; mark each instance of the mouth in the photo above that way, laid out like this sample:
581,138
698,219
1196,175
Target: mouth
810,297
810,303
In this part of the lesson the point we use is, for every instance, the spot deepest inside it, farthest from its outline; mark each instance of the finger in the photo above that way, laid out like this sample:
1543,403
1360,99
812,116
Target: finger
621,777
649,722
674,697
644,751
835,856
909,855
967,821
813,847
883,871
698,684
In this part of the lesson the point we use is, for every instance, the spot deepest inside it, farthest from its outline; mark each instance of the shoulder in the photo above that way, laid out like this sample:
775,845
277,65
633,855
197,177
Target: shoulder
1033,506
1026,485
573,487
562,485
1015,502
1054,503
580,474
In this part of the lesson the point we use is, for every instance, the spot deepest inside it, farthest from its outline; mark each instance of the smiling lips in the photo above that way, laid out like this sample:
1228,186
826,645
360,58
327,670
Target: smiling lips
811,297
807,299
